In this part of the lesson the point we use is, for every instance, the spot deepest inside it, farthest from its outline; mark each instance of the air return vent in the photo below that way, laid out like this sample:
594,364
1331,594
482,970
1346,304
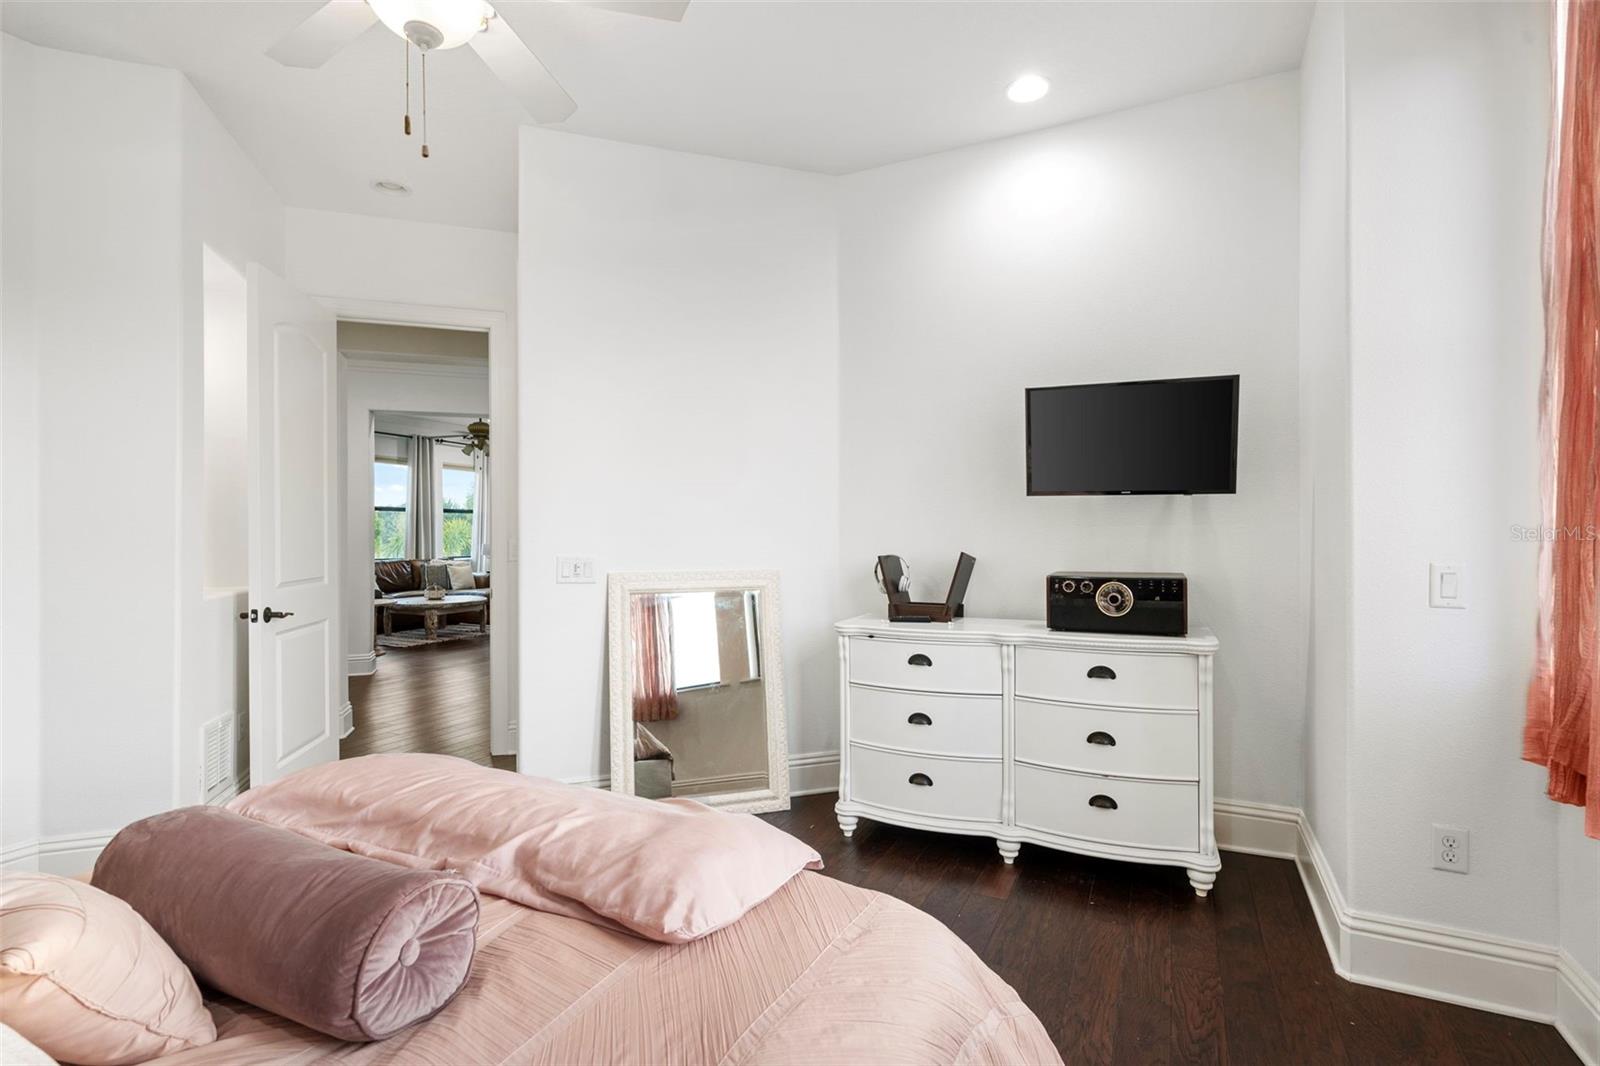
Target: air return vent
216,756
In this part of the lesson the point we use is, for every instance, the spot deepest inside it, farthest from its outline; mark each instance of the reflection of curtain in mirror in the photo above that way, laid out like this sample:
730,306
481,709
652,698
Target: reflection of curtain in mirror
655,694
480,514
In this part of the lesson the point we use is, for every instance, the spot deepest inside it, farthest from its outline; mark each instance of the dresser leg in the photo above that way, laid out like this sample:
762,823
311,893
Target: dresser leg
847,824
1009,849
1202,880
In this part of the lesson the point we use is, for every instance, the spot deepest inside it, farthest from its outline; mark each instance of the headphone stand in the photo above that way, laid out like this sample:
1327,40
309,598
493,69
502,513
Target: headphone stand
904,609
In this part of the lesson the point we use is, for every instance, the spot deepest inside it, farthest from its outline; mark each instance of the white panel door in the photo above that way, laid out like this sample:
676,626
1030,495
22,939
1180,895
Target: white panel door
296,675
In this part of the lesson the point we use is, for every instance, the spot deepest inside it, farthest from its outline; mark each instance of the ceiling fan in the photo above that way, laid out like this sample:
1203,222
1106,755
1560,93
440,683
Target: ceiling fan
433,25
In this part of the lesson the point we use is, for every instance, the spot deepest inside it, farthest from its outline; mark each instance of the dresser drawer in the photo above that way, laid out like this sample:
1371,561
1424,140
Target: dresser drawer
1146,813
924,784
952,725
930,667
1139,743
1122,680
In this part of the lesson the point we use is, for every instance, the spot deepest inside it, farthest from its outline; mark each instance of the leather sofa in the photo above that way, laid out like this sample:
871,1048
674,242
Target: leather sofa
396,578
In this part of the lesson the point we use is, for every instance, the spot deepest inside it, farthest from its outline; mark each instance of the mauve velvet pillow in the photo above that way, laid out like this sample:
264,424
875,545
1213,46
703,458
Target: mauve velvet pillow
346,945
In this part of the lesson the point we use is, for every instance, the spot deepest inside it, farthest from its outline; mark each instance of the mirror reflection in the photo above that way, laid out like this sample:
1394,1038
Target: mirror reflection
699,701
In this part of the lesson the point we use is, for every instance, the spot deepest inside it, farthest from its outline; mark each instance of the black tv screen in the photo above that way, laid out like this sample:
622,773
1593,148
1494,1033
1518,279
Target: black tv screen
1134,437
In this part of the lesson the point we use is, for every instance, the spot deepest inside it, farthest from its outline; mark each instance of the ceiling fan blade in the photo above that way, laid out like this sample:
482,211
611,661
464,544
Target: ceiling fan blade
512,62
314,41
670,10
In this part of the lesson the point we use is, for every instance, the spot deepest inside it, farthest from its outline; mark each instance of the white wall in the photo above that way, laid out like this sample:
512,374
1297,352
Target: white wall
1425,130
225,537
19,458
1325,505
1154,242
119,177
368,389
93,223
231,217
679,388
1448,113
360,257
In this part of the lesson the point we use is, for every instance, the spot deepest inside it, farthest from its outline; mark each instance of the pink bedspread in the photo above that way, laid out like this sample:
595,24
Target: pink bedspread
822,972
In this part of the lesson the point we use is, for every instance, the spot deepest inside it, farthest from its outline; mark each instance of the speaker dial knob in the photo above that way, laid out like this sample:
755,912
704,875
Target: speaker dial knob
1114,599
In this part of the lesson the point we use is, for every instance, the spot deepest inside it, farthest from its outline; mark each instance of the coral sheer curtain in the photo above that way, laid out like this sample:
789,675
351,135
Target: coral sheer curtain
655,692
1563,726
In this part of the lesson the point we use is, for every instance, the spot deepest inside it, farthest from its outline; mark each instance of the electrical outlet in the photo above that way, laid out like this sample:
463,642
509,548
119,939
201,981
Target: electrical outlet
1452,849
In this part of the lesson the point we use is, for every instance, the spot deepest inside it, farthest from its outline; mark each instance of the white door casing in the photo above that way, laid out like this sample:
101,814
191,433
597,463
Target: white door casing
296,662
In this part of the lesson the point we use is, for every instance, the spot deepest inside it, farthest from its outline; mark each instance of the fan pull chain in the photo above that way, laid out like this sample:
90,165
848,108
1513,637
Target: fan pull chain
408,86
424,105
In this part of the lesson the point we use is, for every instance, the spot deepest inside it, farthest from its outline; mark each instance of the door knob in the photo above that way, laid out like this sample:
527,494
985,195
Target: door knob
268,614
248,616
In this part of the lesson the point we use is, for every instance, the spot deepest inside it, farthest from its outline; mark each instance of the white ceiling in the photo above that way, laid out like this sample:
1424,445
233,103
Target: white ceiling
827,86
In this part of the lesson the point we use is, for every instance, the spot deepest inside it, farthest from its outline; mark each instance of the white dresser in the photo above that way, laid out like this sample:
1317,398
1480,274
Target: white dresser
1002,728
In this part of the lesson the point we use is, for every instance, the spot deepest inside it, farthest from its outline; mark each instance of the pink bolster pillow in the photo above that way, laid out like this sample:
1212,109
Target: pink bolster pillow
346,945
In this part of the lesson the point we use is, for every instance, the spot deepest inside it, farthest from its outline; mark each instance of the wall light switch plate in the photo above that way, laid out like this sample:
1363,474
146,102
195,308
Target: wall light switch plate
1445,586
574,570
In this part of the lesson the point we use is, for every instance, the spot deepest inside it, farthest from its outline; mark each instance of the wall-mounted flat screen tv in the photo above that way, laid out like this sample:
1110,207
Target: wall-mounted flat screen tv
1179,435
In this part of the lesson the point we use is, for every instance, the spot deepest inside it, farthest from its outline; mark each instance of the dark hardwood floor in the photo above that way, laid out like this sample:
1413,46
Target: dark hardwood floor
433,699
1123,963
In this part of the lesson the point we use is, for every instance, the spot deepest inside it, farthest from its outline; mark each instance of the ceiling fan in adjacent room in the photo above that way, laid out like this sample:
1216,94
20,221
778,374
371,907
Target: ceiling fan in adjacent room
433,25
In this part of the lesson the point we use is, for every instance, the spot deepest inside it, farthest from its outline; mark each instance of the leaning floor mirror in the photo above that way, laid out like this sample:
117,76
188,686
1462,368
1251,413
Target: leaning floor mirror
696,693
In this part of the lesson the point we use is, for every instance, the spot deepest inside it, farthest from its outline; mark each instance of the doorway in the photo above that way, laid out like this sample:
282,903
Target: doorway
423,599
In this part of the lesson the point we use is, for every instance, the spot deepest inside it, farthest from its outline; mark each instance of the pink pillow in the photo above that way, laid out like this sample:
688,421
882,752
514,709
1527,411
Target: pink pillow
348,946
87,979
671,870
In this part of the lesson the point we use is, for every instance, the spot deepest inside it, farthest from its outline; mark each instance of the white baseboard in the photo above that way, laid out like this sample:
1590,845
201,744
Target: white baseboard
22,856
809,774
1533,981
69,856
813,772
347,720
361,665
1258,828
1578,1008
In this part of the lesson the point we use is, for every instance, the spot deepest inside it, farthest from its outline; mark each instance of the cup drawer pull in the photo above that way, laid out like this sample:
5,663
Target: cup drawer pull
1102,673
1104,802
1101,737
920,779
919,719
919,659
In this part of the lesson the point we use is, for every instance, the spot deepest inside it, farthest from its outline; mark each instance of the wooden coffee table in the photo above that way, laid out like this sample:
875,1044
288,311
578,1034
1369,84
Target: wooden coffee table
433,610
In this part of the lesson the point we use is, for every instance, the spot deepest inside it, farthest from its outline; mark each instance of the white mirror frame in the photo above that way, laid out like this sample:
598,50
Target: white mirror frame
620,588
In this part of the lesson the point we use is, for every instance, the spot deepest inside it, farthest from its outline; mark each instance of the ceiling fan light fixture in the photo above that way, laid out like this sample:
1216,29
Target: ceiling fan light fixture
433,24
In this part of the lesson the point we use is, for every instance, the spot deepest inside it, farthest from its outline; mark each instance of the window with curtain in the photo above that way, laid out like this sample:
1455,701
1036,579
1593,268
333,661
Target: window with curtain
1562,733
460,488
390,490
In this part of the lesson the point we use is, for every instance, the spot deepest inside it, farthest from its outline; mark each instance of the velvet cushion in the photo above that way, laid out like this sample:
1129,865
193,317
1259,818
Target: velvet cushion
87,979
346,945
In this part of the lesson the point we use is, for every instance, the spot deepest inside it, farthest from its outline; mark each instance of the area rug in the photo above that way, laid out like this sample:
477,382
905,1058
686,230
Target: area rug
418,638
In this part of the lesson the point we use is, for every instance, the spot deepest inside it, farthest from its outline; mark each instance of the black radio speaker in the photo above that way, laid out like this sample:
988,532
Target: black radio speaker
1150,604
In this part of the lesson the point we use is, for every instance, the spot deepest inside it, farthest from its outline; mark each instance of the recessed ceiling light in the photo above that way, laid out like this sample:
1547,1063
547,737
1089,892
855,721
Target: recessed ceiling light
1028,88
392,188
